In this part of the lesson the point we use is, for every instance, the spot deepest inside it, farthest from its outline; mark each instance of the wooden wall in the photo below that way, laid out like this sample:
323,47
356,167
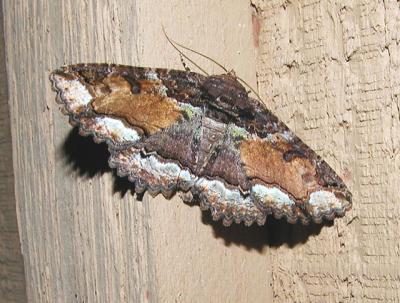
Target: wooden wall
12,279
329,70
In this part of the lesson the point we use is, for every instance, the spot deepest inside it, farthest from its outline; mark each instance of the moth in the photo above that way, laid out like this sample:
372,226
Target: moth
203,136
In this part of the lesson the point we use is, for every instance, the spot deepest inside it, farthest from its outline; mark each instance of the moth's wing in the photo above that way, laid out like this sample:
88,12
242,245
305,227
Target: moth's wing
124,105
120,104
286,177
289,179
169,130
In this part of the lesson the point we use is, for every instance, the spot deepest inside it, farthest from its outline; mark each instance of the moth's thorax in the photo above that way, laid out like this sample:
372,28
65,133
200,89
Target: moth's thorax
226,86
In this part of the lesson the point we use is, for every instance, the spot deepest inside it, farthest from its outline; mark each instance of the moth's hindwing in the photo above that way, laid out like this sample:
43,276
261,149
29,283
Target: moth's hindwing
171,131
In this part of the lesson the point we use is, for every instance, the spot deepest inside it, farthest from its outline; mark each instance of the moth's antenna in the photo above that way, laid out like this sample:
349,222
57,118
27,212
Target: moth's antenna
184,64
248,85
200,54
174,44
219,64
182,54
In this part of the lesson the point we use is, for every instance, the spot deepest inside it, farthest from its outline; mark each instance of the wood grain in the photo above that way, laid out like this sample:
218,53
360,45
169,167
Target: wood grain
84,238
331,71
12,278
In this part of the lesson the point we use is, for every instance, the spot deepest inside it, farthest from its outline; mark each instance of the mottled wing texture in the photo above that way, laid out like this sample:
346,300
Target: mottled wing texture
170,130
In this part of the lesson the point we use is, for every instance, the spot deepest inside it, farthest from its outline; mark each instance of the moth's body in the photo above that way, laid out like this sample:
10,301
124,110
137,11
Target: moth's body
171,130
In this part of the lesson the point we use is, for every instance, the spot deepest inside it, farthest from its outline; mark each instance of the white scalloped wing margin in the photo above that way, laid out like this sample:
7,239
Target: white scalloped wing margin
114,128
225,203
73,93
272,198
322,202
170,172
216,192
163,174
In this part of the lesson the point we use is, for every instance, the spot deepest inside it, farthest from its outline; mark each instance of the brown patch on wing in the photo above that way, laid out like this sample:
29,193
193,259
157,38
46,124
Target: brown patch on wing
269,163
146,109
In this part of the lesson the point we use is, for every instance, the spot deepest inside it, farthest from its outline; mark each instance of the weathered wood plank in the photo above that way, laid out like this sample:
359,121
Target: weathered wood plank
12,277
82,239
331,71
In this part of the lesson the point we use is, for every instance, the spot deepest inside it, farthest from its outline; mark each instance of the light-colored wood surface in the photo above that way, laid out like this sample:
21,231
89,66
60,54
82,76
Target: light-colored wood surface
12,278
82,239
329,70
